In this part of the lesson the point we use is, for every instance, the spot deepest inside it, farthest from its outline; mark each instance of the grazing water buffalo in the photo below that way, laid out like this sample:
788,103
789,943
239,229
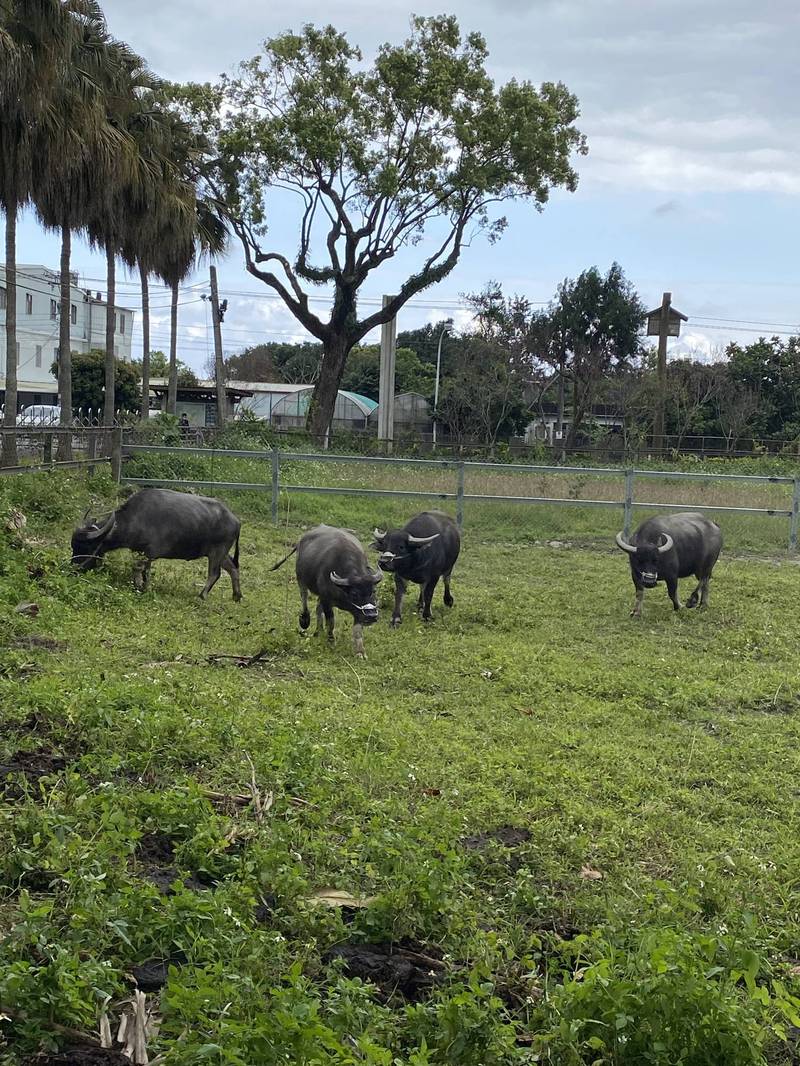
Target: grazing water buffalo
333,566
425,549
163,524
664,549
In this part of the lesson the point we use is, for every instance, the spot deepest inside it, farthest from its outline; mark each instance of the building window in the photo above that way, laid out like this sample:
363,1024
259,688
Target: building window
3,301
73,314
38,358
28,304
122,323
53,309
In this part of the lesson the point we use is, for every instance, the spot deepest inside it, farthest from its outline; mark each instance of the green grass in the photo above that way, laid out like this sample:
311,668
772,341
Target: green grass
662,755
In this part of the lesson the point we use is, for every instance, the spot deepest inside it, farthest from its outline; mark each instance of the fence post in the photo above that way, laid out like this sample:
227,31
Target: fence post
795,510
275,483
460,496
47,453
628,514
116,453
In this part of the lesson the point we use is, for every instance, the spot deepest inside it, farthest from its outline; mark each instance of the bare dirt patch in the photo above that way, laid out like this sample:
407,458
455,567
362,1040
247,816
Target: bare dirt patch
407,969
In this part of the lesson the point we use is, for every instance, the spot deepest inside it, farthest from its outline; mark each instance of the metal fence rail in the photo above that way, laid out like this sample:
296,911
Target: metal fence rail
274,457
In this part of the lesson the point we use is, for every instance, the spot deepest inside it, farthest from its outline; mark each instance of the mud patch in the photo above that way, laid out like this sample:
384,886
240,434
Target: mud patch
407,969
164,877
508,836
30,767
155,849
86,1055
150,976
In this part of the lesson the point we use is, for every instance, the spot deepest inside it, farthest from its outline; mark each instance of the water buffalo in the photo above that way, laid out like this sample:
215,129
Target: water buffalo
665,549
163,524
425,549
333,566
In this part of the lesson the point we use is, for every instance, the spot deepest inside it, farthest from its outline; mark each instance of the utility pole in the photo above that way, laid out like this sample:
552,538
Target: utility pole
219,367
662,322
436,387
386,381
661,375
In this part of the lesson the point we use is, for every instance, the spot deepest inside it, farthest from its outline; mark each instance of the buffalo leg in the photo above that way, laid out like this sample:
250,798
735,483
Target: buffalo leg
305,617
231,568
358,641
214,570
704,591
399,592
141,574
427,593
672,590
637,606
695,596
328,620
448,599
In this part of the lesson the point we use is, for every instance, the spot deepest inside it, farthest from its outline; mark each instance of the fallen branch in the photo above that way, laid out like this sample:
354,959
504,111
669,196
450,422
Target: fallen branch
240,660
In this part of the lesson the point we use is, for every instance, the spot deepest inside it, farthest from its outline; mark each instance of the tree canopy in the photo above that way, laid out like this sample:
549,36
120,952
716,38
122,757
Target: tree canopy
88,382
419,143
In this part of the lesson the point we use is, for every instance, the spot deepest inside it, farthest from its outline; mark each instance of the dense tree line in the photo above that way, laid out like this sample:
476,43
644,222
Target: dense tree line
586,348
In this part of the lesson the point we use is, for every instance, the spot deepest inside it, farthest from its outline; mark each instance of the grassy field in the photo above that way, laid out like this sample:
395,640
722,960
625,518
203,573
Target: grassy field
564,836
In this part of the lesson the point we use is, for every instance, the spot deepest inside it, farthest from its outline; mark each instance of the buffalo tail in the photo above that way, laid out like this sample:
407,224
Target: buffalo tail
284,559
236,553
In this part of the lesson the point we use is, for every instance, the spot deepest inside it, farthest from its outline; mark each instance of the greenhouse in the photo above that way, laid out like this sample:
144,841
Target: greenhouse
412,415
351,410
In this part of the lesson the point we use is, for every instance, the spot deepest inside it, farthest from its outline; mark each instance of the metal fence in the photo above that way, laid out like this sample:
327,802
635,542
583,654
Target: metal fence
461,470
39,449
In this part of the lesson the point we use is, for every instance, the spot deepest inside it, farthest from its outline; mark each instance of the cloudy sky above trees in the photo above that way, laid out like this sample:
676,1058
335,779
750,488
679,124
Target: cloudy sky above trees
692,182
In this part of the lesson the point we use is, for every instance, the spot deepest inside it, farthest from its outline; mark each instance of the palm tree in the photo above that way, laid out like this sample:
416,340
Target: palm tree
35,37
188,241
69,162
125,193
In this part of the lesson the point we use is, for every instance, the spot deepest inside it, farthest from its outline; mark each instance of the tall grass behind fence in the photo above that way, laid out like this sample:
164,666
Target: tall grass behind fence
582,506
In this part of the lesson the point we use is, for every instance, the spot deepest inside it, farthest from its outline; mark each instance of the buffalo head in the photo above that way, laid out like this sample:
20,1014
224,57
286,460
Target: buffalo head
359,591
644,558
87,541
396,545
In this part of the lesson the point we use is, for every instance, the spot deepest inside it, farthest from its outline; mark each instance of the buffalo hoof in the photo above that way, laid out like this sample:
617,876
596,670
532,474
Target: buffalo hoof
396,621
448,600
305,620
237,599
635,614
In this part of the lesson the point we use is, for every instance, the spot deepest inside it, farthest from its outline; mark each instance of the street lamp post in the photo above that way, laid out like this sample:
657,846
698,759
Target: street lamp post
436,387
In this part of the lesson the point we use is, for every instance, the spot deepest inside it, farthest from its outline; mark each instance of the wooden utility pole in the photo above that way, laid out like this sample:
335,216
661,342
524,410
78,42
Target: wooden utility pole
662,322
219,366
386,381
661,375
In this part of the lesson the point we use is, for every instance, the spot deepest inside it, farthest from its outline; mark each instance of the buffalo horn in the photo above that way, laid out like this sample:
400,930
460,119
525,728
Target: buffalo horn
665,547
377,576
379,534
417,541
622,543
338,580
103,530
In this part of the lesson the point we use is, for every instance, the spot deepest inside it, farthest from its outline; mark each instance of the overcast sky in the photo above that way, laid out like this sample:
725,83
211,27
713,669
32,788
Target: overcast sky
692,182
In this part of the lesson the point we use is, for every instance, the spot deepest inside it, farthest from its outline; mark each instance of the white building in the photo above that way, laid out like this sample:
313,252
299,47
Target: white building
38,299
